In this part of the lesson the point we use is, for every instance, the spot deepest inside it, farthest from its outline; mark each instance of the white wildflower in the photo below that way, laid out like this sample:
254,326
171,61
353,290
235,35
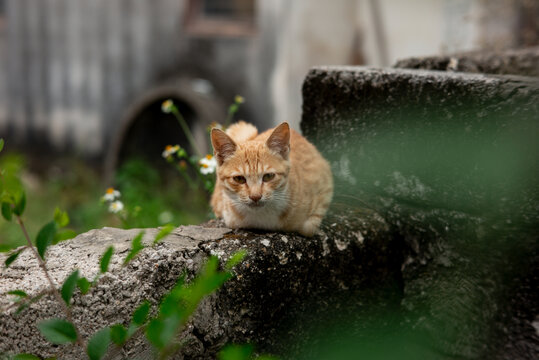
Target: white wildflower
169,150
167,106
116,206
165,217
208,164
216,125
111,194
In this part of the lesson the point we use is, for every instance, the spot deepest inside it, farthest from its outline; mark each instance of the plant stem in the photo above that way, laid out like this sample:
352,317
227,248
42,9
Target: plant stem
192,185
231,111
54,289
186,130
26,300
228,119
200,176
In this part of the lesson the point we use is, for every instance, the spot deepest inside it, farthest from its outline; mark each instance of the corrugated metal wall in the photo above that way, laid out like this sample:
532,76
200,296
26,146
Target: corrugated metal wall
70,67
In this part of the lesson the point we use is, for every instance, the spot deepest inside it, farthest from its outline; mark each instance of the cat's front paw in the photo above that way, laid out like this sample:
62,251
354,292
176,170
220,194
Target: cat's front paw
310,227
233,223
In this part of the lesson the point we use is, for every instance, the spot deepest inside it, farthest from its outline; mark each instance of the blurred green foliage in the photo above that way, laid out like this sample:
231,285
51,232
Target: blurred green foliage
162,197
155,197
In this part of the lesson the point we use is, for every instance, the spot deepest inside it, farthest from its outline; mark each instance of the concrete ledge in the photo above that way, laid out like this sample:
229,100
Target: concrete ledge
285,278
509,62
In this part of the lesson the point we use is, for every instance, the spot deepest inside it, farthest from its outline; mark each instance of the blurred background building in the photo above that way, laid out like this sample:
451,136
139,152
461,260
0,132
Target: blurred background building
87,77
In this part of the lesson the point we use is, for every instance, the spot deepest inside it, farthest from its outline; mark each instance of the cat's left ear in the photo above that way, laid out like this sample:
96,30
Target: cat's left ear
223,145
279,140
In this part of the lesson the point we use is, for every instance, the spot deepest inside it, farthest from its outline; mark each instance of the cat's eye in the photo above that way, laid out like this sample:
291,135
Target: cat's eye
268,177
239,179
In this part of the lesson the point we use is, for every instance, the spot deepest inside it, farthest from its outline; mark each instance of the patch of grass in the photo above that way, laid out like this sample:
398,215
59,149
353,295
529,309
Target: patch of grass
160,197
76,188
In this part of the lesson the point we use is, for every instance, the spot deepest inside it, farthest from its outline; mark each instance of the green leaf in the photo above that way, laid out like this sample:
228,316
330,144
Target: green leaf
98,344
136,246
11,169
233,108
61,218
26,304
207,285
165,230
7,210
235,259
211,266
132,329
153,333
25,357
118,334
1,144
58,331
20,204
18,293
105,259
141,313
21,308
45,237
161,332
11,258
83,284
64,235
171,305
69,286
236,352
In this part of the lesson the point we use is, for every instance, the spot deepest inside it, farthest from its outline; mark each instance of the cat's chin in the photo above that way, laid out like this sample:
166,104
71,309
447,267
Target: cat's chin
257,205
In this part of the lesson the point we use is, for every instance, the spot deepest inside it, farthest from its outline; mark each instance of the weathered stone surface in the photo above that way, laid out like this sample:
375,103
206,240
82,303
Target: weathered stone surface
284,278
450,161
509,62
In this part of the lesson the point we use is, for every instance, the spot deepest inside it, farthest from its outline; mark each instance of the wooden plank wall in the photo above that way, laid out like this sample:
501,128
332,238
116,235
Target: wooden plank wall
71,67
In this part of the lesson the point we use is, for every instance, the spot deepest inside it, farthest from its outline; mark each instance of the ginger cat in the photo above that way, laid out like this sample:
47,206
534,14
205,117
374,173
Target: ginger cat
276,180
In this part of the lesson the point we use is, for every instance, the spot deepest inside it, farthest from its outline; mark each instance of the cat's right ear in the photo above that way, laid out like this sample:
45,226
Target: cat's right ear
279,140
223,145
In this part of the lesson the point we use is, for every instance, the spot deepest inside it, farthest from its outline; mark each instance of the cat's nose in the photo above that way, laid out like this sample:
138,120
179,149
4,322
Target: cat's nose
255,197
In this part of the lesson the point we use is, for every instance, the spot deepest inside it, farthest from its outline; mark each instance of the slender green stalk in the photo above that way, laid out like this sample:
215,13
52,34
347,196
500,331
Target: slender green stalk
228,119
238,100
27,300
199,175
186,129
192,185
54,289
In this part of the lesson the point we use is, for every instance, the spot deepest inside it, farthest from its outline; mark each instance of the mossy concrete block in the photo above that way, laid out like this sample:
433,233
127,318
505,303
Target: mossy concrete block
450,160
453,140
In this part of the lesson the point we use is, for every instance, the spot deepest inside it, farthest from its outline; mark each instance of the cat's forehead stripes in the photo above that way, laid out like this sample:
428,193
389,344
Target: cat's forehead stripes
253,161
